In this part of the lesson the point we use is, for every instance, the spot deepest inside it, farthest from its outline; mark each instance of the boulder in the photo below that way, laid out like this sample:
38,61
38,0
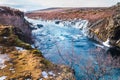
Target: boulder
39,25
57,22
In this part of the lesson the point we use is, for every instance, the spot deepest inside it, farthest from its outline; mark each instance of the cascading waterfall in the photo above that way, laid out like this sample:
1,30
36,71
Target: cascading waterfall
59,42
80,24
64,42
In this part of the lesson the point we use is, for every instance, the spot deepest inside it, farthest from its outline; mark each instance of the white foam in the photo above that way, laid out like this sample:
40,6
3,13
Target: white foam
106,43
61,24
98,45
61,38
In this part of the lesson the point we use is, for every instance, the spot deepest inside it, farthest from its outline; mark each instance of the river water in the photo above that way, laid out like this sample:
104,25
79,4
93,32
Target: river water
65,43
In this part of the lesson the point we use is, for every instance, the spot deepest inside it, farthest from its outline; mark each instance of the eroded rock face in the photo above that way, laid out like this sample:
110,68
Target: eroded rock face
115,31
15,18
107,28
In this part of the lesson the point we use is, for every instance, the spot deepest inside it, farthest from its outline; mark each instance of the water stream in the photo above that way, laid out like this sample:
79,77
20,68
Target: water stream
64,43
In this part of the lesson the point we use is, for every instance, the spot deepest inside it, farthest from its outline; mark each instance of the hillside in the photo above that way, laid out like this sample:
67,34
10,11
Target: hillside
91,14
18,60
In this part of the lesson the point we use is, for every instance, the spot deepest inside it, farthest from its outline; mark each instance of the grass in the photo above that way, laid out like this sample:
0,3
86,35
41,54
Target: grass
12,39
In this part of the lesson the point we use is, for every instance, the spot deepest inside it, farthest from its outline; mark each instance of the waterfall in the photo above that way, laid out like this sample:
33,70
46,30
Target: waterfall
63,41
80,24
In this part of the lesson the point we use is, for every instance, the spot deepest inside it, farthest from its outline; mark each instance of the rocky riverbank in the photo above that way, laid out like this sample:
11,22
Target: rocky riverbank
104,23
18,60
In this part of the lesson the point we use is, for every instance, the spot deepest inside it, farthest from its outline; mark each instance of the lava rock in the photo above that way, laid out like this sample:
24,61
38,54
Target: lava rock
57,22
39,25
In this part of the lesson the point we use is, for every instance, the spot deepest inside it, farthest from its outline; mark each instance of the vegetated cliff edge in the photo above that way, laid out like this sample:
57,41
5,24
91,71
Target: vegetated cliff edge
104,22
107,28
18,60
14,17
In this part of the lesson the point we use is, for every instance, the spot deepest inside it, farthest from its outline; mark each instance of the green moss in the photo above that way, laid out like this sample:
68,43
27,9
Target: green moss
47,63
36,53
12,39
22,44
43,61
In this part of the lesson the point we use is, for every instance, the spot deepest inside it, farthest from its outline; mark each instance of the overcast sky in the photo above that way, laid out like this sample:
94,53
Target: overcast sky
27,5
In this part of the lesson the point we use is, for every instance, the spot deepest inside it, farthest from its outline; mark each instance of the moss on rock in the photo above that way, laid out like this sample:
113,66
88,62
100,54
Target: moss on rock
8,38
27,63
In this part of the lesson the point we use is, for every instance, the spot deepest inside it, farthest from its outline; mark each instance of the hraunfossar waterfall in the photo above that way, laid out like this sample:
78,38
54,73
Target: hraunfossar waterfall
66,42
59,40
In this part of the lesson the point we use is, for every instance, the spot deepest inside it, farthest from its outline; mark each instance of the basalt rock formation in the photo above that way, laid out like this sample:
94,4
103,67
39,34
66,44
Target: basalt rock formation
15,18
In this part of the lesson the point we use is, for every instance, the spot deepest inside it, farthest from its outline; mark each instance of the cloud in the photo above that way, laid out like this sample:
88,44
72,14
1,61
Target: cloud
40,4
24,5
73,3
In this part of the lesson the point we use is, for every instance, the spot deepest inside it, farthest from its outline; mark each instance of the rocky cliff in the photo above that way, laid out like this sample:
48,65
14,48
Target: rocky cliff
107,28
18,60
15,18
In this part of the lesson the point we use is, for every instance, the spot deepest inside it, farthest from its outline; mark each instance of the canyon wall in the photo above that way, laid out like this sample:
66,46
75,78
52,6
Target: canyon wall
104,23
107,28
15,18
